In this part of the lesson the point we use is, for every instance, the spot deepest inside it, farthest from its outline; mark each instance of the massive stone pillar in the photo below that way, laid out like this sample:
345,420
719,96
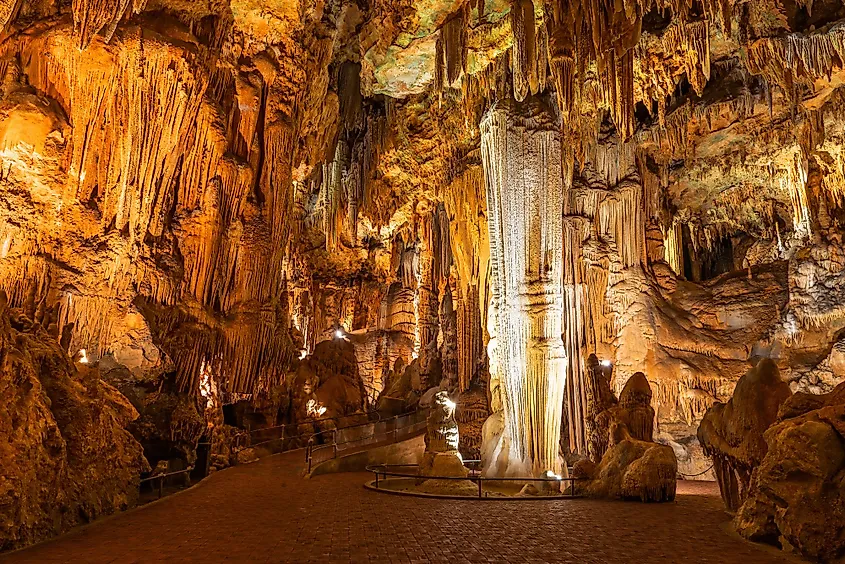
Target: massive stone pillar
522,163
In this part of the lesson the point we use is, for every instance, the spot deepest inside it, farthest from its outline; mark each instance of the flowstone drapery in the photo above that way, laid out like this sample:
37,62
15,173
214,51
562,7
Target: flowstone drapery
521,156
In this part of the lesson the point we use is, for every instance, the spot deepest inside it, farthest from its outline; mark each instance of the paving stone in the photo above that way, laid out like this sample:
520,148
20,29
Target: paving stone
266,512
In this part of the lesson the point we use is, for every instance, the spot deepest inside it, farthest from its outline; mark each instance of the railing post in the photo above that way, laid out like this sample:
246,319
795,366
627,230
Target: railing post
160,487
479,486
376,480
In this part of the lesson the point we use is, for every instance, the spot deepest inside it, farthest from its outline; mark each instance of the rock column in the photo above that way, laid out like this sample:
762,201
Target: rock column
522,164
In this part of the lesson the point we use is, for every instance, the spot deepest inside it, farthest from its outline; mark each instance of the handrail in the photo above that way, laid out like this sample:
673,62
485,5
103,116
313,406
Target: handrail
312,447
378,470
283,426
161,477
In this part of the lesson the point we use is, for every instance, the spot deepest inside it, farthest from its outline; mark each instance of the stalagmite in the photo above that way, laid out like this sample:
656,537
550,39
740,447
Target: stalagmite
521,157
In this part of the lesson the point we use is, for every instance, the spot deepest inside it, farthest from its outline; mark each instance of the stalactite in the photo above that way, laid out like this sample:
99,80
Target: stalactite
450,54
622,99
439,65
442,246
783,60
454,48
349,93
673,248
793,181
523,54
465,203
333,177
563,72
92,17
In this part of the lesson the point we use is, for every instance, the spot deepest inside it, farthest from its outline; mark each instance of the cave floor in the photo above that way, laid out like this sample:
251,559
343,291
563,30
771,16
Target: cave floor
265,512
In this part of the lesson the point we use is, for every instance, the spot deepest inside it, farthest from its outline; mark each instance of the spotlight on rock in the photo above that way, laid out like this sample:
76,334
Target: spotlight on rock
83,356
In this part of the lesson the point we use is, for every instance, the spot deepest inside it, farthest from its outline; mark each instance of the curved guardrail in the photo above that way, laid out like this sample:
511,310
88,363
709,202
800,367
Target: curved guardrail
401,425
474,476
245,439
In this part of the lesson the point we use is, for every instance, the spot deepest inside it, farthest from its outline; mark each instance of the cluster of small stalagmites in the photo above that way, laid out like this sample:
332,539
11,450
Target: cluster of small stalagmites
732,433
633,466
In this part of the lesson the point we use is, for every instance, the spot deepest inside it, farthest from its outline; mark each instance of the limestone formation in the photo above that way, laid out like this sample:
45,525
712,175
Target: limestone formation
797,493
471,412
732,433
205,196
520,151
327,383
441,457
600,398
66,457
633,466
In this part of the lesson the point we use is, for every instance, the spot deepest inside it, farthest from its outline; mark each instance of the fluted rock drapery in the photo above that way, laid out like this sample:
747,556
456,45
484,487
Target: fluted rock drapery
522,165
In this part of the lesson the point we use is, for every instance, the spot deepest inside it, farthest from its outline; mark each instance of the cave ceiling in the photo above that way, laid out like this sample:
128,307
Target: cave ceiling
170,169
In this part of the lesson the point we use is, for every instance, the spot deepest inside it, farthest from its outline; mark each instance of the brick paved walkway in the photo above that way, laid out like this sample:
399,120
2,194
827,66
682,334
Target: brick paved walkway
265,512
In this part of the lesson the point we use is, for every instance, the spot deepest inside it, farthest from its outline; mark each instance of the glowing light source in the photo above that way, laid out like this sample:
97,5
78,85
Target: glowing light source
314,409
605,363
303,353
208,387
83,356
339,333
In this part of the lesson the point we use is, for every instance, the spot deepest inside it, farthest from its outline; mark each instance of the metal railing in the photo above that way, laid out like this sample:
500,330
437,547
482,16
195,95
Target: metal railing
161,478
473,476
245,439
416,421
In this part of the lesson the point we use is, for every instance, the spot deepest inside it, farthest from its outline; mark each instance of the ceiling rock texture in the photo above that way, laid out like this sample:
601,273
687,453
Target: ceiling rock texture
470,196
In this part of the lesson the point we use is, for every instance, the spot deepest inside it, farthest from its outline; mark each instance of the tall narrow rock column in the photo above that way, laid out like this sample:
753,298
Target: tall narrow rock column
522,164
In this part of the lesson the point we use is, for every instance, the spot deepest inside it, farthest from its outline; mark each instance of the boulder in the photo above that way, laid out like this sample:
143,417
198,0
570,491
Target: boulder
797,494
631,469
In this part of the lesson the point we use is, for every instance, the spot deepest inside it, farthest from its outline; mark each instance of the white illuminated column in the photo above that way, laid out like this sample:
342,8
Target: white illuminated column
523,172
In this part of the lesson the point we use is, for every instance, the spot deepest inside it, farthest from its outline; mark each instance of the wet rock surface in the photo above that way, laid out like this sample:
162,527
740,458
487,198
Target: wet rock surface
66,457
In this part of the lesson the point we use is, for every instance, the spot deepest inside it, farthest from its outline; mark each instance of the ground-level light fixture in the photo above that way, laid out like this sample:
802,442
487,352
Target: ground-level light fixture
605,363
